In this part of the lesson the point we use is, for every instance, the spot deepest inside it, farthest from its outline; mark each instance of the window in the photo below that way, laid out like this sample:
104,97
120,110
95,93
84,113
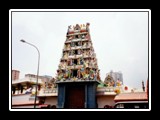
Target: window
136,106
120,106
70,53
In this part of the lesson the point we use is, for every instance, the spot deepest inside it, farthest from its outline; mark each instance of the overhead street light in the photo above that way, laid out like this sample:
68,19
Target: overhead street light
37,69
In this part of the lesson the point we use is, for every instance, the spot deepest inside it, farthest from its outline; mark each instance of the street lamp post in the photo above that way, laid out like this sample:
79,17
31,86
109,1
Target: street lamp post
37,69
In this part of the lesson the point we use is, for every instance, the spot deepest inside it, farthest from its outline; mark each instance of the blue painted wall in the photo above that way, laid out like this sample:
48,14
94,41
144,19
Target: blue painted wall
61,96
91,95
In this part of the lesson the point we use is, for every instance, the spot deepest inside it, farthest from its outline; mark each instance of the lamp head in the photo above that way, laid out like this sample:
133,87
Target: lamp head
23,41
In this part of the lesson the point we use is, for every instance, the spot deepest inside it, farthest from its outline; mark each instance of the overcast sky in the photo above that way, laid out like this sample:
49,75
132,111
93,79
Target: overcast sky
120,41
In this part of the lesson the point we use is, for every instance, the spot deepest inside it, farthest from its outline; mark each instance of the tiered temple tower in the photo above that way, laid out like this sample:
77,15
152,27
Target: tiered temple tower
78,73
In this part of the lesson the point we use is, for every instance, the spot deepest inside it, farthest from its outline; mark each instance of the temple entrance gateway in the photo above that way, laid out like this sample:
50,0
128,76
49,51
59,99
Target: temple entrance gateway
77,95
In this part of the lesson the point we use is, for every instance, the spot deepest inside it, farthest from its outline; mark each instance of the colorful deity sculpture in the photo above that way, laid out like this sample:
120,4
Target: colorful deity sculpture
84,44
71,53
98,75
83,72
59,75
94,63
59,66
91,74
69,62
90,64
108,84
113,83
79,52
86,75
86,52
79,73
87,37
64,64
65,47
95,75
83,36
65,56
69,73
91,53
86,63
78,61
66,74
118,83
69,46
70,37
81,61
69,27
72,44
87,27
79,43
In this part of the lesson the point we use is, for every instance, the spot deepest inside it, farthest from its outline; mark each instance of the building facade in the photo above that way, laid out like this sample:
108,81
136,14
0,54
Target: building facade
23,90
44,78
15,74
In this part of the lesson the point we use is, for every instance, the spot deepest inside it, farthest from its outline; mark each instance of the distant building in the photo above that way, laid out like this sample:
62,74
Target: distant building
44,78
15,74
23,90
115,76
134,98
131,100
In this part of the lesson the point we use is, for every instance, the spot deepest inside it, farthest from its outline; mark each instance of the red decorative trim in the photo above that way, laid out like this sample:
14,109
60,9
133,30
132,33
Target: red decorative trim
83,30
71,32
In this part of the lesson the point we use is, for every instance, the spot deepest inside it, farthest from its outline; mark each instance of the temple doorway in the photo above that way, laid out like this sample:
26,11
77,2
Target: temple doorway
75,97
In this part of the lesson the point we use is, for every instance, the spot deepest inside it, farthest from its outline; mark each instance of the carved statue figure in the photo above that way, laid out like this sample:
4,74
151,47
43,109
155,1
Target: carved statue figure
79,73
83,72
78,61
98,75
91,74
69,73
